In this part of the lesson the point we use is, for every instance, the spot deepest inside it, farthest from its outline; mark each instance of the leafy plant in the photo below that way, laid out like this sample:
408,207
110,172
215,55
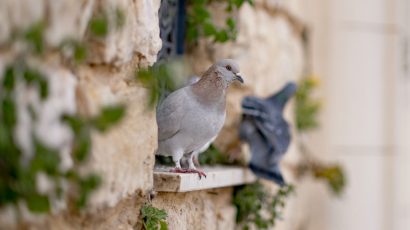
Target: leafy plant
158,79
256,207
19,175
99,23
333,175
154,218
34,35
77,50
307,107
200,22
307,111
213,156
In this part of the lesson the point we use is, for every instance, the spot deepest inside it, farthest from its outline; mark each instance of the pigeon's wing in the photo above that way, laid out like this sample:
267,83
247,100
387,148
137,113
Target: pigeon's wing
277,134
170,114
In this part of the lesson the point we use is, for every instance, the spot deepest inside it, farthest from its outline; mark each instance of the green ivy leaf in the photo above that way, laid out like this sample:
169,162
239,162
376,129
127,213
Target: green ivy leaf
9,112
9,79
201,24
222,36
307,107
91,182
38,203
213,156
45,159
108,116
231,23
252,200
82,145
74,122
80,52
163,225
34,76
87,185
158,80
154,218
34,35
201,14
99,25
209,29
43,89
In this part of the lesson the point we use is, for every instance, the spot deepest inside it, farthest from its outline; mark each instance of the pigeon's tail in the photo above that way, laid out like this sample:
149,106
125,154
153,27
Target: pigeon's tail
280,98
272,174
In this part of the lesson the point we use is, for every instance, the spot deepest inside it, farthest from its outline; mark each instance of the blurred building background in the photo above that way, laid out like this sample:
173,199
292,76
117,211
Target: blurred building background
361,52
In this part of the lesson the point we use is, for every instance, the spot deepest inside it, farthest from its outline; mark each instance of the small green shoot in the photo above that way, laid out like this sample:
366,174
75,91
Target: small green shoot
307,107
212,156
200,22
158,80
154,218
253,202
333,175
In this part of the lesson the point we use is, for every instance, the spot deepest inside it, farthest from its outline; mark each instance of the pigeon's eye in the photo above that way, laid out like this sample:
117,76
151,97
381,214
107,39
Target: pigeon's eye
228,67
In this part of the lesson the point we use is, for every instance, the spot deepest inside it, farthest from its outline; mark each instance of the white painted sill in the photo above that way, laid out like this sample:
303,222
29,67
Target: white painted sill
217,177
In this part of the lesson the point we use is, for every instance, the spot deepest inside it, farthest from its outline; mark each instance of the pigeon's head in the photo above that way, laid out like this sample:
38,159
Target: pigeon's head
229,70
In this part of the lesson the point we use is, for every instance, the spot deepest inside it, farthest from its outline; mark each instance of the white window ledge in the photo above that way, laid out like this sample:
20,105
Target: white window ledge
216,177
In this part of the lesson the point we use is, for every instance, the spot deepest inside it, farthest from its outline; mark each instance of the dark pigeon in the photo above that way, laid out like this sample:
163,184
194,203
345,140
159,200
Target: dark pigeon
267,132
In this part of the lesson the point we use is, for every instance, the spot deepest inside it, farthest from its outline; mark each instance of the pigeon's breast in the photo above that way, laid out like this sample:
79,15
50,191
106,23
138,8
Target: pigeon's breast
201,124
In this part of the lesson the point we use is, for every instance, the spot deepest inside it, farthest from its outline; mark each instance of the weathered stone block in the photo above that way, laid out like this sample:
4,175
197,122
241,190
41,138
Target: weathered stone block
124,156
139,36
208,209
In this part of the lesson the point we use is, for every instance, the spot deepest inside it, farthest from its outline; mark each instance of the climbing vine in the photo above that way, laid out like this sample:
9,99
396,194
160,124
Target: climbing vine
20,173
154,218
306,114
158,79
200,23
257,208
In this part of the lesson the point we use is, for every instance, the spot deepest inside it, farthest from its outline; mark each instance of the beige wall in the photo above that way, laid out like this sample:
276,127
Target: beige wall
357,48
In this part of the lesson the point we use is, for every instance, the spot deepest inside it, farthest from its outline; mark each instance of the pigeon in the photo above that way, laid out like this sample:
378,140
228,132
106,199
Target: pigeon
267,132
190,118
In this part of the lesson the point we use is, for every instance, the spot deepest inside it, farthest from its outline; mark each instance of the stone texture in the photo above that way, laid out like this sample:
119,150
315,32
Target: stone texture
19,15
208,209
123,216
124,155
67,20
139,36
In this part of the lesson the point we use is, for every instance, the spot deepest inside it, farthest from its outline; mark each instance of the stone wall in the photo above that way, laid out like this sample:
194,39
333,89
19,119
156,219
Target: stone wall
123,156
268,50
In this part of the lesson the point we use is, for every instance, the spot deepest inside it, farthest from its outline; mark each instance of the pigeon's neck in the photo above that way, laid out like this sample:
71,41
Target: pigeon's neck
210,90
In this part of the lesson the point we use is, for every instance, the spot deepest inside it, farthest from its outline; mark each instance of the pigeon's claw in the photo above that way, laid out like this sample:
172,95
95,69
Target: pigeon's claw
200,173
180,170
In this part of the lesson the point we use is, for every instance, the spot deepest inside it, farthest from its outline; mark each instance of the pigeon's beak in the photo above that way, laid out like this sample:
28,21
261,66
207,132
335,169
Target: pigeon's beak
239,77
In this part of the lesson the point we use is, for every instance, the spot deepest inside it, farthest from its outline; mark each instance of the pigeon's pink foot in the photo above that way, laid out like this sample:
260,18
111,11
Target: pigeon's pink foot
200,173
180,170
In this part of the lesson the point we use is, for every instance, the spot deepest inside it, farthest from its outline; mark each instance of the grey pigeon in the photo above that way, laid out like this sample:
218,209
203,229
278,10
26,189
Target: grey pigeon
190,118
267,132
